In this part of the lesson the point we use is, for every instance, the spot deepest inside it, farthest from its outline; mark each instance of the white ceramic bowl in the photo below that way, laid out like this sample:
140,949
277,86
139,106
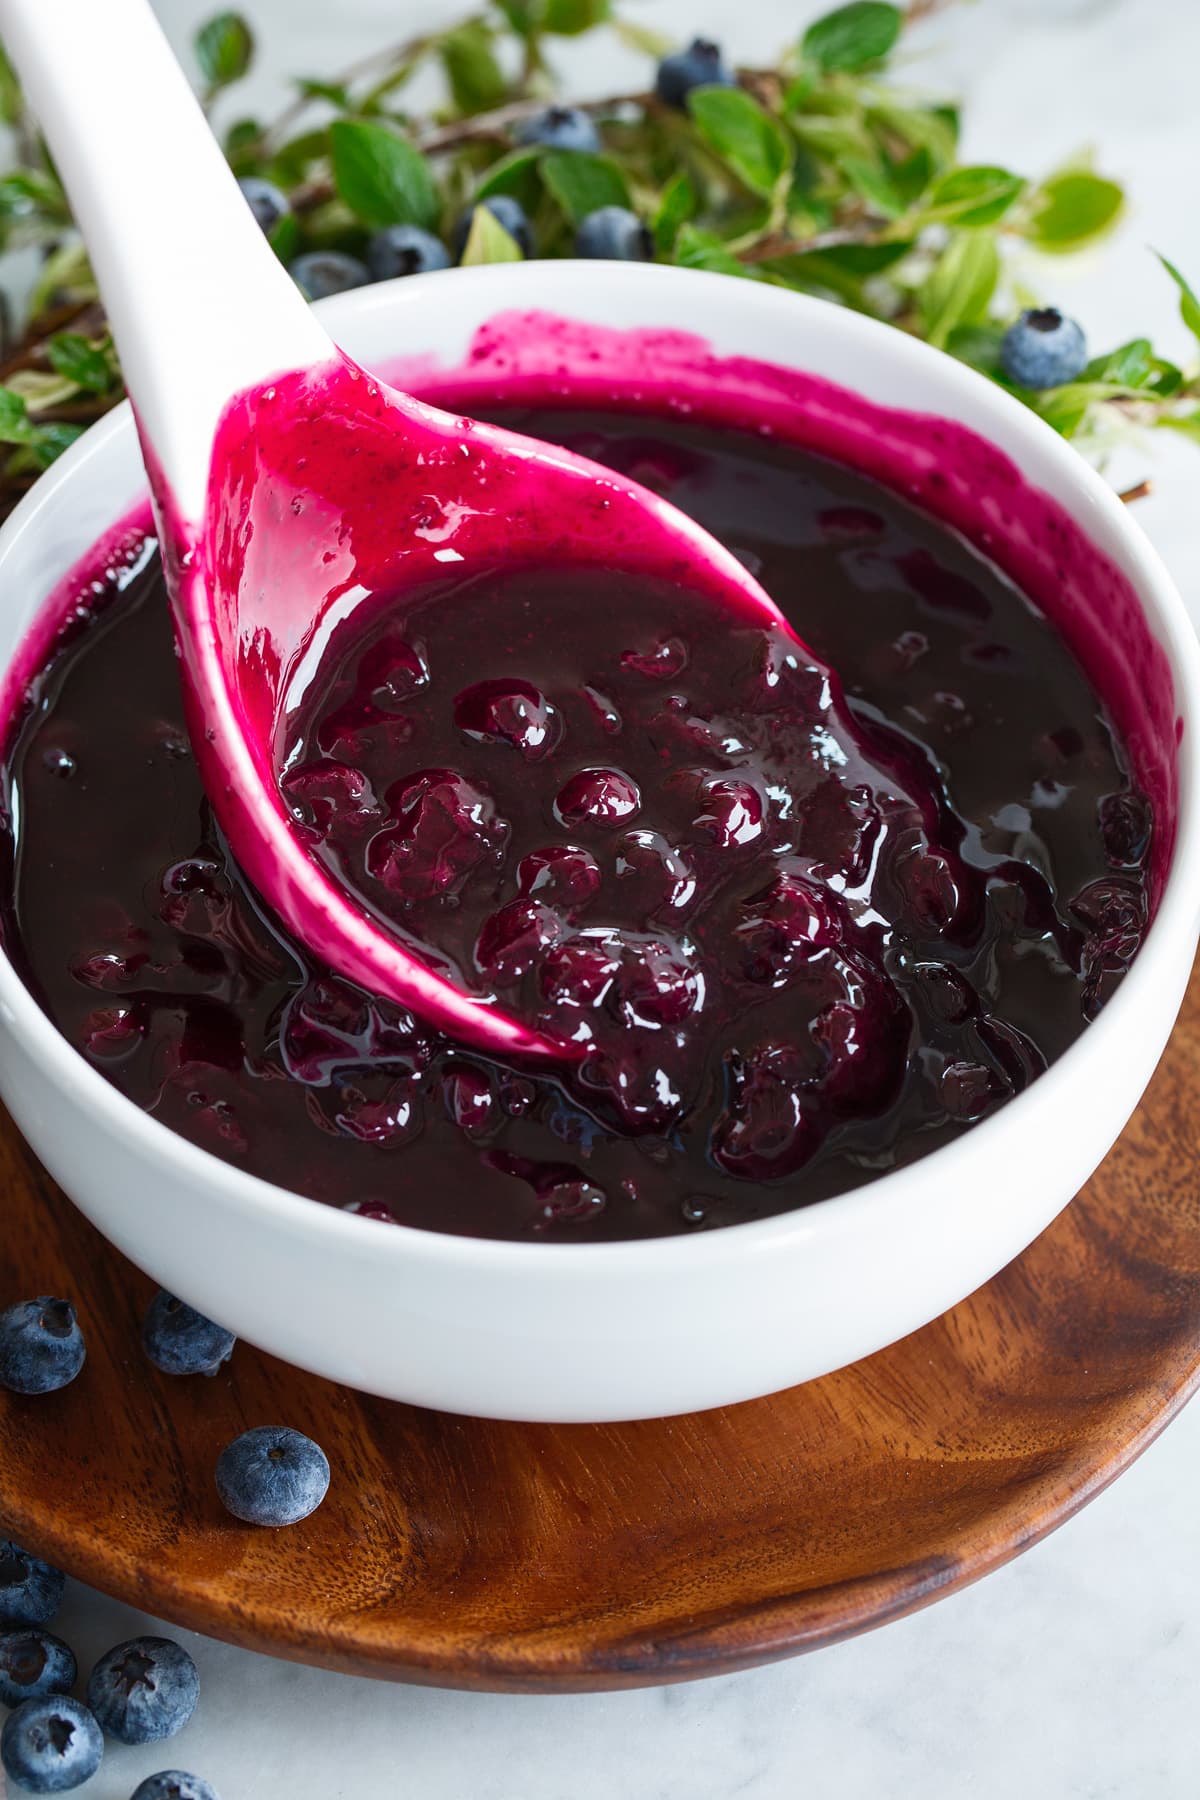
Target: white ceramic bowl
593,1332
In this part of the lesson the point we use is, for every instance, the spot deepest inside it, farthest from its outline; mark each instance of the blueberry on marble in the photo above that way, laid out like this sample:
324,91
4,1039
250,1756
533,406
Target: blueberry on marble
34,1664
700,65
272,1476
405,250
181,1341
1043,349
508,213
268,203
144,1690
31,1590
560,128
173,1784
615,233
41,1345
50,1745
319,273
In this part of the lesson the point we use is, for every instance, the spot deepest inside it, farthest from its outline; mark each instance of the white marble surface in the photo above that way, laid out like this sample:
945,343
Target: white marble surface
1069,1675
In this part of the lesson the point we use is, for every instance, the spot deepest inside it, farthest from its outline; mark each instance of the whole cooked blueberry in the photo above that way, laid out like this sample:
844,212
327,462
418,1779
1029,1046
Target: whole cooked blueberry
616,233
560,128
144,1690
272,1476
319,273
32,1664
268,203
180,1341
700,65
50,1745
405,250
173,1784
30,1590
41,1345
508,213
1043,349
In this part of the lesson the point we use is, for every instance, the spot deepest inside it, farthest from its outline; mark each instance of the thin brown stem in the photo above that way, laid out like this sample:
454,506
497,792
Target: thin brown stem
1141,490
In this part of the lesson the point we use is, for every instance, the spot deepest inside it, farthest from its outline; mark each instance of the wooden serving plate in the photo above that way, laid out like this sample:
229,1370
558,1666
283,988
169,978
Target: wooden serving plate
474,1554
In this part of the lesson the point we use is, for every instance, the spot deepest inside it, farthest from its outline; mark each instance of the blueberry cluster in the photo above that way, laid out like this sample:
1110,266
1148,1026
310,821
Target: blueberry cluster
139,1693
612,233
146,1689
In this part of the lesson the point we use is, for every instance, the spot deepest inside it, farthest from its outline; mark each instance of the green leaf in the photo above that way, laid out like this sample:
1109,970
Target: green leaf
835,140
874,184
932,128
525,16
912,174
48,442
224,50
383,180
517,174
310,88
65,273
1132,364
71,355
292,161
815,272
488,242
581,182
568,18
640,38
476,79
1067,407
747,139
978,346
698,249
284,237
1189,305
677,203
1188,423
973,196
243,136
26,191
960,285
12,104
15,423
865,259
1072,209
853,37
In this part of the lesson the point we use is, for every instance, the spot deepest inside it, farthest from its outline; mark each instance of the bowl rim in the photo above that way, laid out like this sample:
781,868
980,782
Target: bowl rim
89,1093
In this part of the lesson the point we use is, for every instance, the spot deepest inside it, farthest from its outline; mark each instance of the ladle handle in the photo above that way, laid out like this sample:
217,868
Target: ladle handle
199,305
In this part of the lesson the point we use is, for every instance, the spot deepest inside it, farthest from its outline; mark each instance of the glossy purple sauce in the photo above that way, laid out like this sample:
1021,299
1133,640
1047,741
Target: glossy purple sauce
996,872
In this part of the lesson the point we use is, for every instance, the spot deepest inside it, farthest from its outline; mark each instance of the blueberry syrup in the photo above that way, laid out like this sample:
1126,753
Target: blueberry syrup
801,938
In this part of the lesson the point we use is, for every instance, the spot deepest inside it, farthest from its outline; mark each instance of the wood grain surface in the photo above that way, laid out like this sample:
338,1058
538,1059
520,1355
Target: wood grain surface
535,1557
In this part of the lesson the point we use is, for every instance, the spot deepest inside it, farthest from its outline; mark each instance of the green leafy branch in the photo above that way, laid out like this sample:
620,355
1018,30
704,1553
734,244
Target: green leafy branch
826,174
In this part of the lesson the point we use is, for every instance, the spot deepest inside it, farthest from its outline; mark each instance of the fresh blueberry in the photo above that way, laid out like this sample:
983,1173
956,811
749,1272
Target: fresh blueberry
32,1664
405,250
1043,349
272,1476
268,203
173,1784
144,1690
30,1590
319,273
507,212
560,128
180,1341
41,1345
616,233
700,65
50,1745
